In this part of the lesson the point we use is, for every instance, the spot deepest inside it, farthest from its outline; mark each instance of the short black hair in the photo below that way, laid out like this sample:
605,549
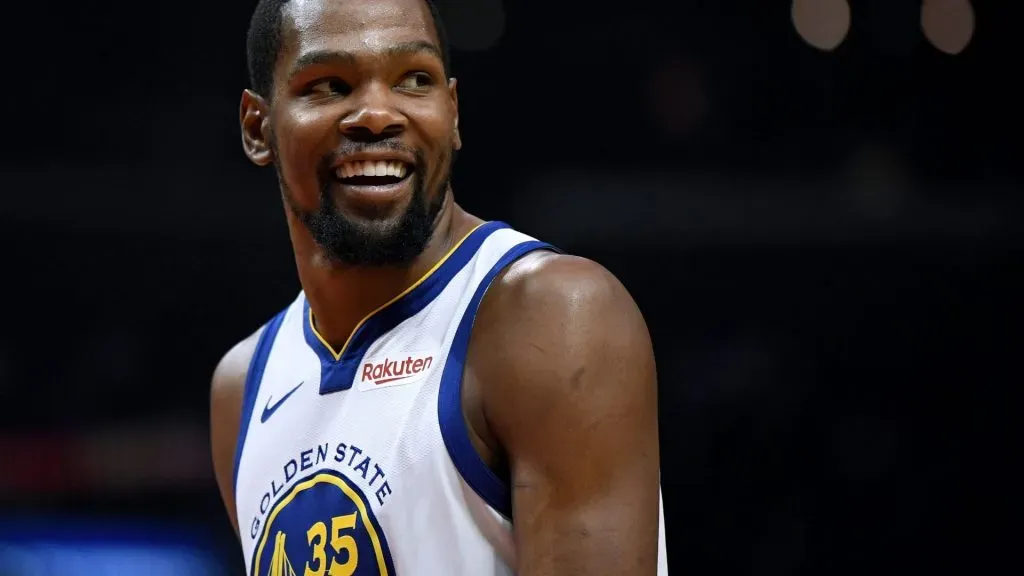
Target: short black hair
264,42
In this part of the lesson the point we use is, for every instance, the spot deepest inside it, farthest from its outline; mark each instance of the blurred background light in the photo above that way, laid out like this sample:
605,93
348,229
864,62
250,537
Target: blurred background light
63,546
948,24
823,24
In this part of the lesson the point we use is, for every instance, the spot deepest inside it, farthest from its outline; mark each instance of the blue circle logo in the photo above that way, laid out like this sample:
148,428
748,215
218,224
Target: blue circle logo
323,526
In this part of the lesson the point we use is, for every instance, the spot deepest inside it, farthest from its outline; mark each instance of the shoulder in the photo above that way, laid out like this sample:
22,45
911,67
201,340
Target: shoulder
550,318
228,383
227,389
233,368
545,292
229,375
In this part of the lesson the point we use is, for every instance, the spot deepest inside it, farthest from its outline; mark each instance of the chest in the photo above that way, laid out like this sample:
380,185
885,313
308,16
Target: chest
319,469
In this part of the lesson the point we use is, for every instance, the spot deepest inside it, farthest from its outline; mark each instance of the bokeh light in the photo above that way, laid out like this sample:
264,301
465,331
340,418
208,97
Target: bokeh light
823,24
948,24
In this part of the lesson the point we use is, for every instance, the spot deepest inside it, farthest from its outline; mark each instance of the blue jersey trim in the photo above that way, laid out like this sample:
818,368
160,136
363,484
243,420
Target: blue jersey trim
338,373
253,378
454,430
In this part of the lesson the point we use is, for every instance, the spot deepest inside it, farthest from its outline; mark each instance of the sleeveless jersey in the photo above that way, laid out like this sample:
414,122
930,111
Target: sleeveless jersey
360,462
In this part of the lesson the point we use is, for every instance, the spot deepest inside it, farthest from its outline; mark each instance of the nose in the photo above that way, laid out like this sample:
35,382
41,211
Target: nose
373,116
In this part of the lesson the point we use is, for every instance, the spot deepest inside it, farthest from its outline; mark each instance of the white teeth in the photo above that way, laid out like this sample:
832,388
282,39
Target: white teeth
394,168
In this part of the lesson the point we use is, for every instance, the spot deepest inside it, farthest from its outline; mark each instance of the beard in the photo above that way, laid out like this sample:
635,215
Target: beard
347,241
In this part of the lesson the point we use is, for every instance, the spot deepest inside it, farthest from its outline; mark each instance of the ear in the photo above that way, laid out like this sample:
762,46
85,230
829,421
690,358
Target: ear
254,118
453,93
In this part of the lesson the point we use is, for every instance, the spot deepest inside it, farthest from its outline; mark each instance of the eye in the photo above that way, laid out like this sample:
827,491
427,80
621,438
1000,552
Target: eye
416,81
329,87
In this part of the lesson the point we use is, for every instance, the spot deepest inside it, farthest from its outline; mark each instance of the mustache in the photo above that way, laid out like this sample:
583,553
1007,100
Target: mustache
349,147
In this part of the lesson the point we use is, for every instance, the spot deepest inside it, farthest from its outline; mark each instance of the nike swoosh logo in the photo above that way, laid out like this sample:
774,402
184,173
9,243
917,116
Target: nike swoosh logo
269,410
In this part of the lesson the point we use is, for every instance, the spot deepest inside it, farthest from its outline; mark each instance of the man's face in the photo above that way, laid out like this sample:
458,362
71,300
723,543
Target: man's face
363,125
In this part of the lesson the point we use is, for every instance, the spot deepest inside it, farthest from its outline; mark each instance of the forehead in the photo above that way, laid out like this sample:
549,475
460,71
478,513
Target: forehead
353,25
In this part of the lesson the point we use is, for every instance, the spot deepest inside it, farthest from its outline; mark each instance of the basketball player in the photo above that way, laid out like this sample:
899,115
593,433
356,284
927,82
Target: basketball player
446,396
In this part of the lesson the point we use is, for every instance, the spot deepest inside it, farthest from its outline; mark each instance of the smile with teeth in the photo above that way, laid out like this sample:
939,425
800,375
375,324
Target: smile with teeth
372,173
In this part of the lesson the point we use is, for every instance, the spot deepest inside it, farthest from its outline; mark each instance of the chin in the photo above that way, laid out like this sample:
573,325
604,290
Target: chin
378,215
379,226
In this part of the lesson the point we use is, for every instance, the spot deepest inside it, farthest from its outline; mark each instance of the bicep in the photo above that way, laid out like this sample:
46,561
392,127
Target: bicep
576,413
224,422
588,502
226,391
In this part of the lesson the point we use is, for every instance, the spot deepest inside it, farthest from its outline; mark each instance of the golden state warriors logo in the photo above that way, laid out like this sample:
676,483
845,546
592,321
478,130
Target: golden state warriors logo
323,526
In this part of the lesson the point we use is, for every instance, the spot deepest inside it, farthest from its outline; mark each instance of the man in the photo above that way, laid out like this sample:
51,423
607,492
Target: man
446,395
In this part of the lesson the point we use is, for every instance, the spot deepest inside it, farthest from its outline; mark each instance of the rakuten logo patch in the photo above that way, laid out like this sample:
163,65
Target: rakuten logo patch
394,370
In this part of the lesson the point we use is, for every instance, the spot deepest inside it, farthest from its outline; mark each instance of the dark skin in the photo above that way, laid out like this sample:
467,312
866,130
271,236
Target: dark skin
560,385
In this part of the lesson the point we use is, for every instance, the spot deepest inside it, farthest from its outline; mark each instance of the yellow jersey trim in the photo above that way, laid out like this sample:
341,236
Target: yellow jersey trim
337,355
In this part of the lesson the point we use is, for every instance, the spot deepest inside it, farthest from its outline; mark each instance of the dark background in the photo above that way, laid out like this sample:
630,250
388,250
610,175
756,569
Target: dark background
824,244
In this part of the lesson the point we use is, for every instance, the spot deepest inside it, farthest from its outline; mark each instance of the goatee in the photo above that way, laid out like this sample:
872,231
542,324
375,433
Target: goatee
346,241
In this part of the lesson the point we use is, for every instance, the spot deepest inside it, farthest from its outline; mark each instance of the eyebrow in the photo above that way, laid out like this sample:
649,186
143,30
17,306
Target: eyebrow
328,57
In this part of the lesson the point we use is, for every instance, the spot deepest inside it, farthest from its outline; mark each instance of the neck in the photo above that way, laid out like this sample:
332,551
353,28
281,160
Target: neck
342,296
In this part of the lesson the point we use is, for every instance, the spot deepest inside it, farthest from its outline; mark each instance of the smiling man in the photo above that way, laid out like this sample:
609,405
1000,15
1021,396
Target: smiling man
446,395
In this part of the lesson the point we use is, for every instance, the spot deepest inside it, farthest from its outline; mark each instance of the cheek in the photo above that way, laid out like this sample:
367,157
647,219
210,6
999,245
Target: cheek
301,143
436,124
442,143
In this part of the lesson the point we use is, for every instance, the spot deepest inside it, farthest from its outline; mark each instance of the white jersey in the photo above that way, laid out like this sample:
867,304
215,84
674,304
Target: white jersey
360,463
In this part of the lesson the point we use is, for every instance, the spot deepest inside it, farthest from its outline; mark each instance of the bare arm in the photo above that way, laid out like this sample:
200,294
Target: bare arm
570,395
226,393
